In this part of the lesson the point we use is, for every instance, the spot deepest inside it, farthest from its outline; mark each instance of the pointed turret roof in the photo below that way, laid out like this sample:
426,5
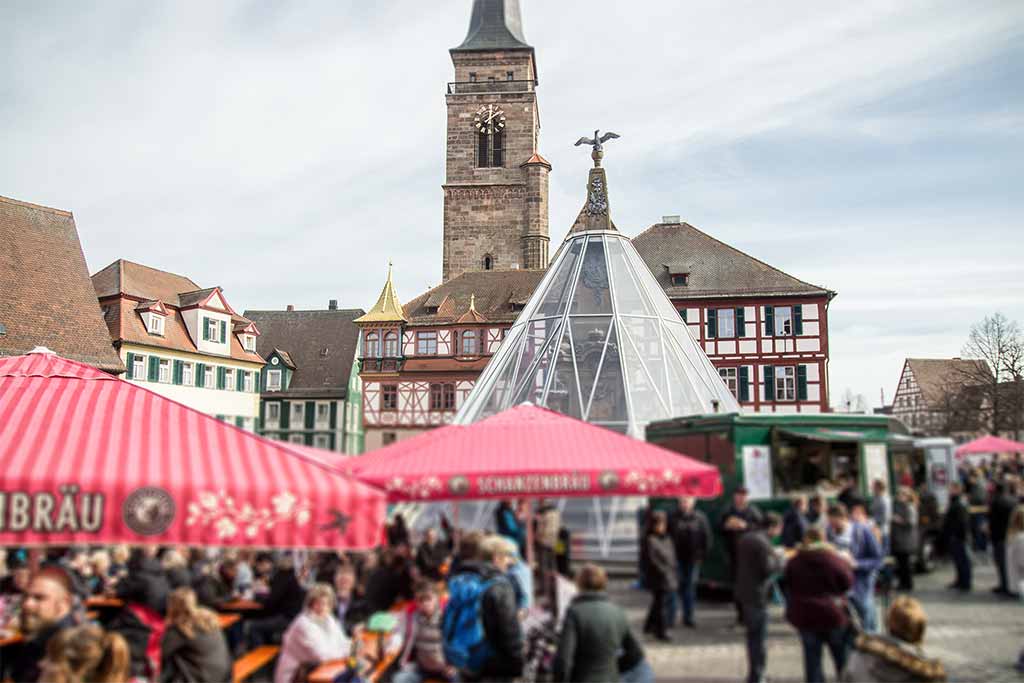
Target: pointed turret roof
494,25
472,315
388,308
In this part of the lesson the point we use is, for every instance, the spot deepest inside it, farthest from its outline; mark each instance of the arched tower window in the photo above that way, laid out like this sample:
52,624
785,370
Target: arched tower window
488,262
490,150
391,345
371,345
469,342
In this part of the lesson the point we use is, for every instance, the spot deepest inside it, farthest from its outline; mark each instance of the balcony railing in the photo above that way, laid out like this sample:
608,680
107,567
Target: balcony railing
485,87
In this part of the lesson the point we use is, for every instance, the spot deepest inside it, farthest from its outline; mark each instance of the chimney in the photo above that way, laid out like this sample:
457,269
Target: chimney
332,305
671,220
289,307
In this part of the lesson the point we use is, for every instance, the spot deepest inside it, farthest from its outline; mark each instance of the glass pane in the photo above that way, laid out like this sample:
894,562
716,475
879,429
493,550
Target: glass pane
650,286
499,397
588,339
540,334
554,299
563,393
628,299
592,294
608,401
703,383
530,386
645,369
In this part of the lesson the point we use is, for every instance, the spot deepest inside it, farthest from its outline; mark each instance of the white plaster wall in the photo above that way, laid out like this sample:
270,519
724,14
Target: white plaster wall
813,392
809,311
726,347
812,372
812,327
209,401
813,344
785,408
748,346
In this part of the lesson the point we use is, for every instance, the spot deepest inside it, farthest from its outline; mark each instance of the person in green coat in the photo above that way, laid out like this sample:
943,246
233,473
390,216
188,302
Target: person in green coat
596,643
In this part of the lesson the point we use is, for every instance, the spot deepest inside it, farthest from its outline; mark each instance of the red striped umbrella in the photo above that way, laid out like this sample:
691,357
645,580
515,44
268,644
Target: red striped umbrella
527,451
88,458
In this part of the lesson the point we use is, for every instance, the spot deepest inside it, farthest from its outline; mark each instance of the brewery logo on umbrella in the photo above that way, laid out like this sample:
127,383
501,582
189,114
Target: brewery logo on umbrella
148,511
458,485
608,481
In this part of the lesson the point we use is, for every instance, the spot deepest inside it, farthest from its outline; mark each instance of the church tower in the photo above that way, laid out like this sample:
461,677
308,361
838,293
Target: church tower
496,184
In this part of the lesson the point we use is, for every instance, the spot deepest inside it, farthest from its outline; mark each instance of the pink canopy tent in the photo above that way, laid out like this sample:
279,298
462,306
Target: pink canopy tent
528,451
88,458
989,444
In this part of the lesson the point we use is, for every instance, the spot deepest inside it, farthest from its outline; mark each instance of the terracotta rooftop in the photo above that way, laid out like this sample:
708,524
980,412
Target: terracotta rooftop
46,298
936,376
492,293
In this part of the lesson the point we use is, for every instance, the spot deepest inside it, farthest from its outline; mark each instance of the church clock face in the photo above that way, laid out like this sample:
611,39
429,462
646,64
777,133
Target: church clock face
489,119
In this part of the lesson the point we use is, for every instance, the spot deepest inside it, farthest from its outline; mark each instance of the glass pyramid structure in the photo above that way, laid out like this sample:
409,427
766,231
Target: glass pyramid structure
599,340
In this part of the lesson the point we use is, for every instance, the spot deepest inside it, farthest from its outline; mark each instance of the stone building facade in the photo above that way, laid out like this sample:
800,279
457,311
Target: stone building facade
496,184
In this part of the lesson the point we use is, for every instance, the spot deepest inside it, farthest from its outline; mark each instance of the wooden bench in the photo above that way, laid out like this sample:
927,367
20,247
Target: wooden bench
253,661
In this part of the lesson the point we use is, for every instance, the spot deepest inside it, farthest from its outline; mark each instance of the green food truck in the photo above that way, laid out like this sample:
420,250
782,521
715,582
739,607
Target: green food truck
777,457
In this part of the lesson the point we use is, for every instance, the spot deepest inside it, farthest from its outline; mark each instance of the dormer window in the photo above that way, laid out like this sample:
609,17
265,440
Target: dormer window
212,330
249,342
430,309
680,279
155,324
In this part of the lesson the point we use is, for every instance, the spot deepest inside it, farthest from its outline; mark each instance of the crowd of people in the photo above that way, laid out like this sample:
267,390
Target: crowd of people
470,595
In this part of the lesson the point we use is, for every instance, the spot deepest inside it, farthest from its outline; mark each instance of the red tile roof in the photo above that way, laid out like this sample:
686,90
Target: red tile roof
46,298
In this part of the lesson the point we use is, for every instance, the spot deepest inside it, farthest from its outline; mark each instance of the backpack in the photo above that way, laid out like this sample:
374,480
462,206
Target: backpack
465,643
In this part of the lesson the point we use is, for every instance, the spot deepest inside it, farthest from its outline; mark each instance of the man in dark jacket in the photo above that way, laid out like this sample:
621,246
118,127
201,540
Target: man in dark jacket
596,643
756,563
956,529
45,611
146,583
737,519
794,523
661,573
999,511
691,534
281,605
819,578
431,556
498,612
213,587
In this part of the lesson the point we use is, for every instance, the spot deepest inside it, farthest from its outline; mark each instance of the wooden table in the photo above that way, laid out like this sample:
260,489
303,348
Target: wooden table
227,620
328,671
96,602
12,639
241,606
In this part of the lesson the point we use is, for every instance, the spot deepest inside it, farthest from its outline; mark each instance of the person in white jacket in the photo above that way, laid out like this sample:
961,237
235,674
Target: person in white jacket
314,636
1015,552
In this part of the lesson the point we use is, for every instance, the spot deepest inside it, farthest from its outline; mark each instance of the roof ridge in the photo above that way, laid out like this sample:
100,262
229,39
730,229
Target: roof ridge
30,205
161,270
740,252
304,310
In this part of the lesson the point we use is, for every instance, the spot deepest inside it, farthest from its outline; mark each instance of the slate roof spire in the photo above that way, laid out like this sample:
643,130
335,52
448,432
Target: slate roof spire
494,25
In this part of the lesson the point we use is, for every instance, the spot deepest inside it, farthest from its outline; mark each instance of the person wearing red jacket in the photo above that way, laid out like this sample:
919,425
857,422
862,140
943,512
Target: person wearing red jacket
818,579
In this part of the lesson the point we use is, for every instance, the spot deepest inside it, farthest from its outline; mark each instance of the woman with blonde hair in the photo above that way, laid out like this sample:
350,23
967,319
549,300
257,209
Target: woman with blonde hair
86,654
898,656
314,636
193,647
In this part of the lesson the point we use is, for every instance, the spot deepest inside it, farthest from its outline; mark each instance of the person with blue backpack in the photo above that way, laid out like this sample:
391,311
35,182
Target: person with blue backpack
481,632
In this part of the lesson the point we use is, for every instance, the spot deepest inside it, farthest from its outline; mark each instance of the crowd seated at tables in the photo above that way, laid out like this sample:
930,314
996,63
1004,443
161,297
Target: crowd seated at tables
185,614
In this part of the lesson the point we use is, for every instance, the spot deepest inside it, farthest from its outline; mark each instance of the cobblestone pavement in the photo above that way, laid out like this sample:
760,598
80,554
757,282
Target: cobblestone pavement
978,635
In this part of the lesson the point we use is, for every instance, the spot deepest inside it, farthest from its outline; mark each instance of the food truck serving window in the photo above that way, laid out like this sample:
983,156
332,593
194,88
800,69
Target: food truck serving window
810,462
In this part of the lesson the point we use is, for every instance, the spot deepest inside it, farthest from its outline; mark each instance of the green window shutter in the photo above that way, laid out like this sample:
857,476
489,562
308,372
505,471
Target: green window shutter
682,314
798,319
263,416
744,384
741,323
154,368
220,417
769,321
131,365
223,332
239,380
256,381
286,414
309,439
200,376
310,414
712,323
176,372
333,442
206,329
769,382
334,415
801,382
239,421
222,377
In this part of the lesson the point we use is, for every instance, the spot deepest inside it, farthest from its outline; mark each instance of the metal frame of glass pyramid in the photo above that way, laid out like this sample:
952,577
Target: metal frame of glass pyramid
599,340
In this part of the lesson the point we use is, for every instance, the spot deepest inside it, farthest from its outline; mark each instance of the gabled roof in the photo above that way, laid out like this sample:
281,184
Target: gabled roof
494,25
937,376
472,315
492,293
715,268
319,345
135,279
46,298
388,308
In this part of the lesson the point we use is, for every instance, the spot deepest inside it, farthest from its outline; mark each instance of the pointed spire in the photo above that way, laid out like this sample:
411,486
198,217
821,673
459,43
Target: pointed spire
494,25
388,308
472,315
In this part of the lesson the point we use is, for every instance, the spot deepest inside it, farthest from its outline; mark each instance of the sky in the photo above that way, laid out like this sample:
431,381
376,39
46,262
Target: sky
285,151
